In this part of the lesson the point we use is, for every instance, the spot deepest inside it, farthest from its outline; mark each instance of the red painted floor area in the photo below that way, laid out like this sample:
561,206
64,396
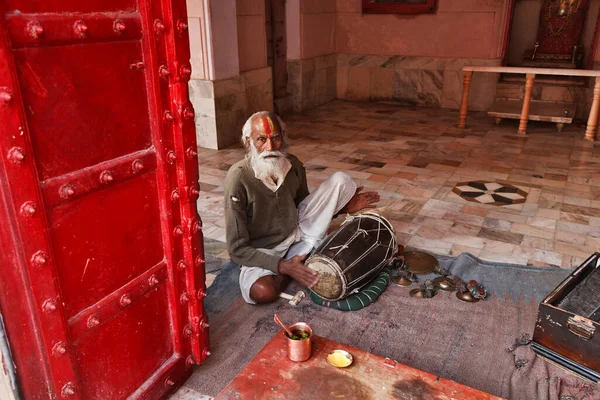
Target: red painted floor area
271,375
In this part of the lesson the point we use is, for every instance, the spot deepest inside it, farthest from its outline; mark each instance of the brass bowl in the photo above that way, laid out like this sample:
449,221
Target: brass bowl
340,358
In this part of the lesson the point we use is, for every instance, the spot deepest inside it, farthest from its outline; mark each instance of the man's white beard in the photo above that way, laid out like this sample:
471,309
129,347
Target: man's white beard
269,169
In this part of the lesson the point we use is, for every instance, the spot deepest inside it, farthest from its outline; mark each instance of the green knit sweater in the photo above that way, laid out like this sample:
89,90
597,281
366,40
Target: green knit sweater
256,217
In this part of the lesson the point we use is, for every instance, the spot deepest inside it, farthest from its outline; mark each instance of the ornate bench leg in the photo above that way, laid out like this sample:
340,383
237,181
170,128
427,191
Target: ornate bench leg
560,127
497,120
464,104
526,103
592,128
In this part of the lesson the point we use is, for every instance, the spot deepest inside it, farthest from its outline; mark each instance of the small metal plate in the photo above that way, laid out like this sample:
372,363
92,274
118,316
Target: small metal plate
418,293
420,263
401,281
340,358
444,283
466,296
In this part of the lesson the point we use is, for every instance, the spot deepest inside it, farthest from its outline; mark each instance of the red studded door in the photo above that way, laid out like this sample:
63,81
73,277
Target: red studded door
102,265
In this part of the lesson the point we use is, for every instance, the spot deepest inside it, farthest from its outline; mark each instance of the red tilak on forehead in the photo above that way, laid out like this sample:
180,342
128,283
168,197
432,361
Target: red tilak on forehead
268,127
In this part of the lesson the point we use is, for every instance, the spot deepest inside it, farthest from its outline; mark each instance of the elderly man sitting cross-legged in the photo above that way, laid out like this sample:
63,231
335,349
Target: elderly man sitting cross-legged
272,220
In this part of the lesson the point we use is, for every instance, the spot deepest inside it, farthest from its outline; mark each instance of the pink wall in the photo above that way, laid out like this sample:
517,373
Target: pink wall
459,28
237,38
251,31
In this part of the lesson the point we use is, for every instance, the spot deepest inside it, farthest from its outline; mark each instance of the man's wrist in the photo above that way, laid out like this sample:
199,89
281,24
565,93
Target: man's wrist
281,267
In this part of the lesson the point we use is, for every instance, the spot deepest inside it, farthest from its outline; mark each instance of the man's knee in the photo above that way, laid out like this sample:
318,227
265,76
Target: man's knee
341,179
265,290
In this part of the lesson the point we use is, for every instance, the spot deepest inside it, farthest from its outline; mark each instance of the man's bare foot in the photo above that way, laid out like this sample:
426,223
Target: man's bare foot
360,201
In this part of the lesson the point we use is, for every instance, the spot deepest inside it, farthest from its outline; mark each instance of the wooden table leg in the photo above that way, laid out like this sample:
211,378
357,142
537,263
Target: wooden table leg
464,104
526,103
592,128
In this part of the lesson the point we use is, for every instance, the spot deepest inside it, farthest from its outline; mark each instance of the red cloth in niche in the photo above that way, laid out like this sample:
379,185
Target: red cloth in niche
558,35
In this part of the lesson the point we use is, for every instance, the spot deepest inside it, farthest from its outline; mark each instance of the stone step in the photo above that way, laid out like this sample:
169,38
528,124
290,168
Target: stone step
547,79
543,92
510,90
548,111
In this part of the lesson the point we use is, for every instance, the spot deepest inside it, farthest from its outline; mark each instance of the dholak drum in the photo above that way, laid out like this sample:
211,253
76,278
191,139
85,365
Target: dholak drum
351,256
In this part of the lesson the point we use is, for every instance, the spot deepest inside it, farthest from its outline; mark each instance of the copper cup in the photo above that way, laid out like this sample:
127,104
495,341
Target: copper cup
299,350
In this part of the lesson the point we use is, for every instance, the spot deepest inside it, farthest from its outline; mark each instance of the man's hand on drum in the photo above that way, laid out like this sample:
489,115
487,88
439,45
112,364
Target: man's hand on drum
295,268
361,201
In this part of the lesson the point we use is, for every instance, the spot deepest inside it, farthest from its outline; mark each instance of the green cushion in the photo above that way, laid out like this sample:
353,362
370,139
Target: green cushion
359,300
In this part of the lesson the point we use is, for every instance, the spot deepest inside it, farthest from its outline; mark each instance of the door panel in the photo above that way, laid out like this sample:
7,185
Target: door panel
46,6
269,31
145,341
121,237
102,280
280,50
277,45
97,129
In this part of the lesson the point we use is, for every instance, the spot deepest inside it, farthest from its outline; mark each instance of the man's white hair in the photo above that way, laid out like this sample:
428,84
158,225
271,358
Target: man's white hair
247,128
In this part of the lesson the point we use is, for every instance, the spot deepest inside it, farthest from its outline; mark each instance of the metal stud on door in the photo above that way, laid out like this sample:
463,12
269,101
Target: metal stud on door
104,260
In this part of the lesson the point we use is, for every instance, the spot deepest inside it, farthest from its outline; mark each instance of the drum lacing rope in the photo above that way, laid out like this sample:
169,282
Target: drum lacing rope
341,247
347,244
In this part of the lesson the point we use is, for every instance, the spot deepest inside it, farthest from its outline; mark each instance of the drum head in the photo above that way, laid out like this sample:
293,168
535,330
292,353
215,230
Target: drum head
331,284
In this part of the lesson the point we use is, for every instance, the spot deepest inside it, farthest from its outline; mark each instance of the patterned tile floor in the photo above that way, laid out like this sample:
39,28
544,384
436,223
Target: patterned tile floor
415,157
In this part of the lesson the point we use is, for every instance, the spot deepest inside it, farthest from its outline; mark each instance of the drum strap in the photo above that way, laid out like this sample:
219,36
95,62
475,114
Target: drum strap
359,300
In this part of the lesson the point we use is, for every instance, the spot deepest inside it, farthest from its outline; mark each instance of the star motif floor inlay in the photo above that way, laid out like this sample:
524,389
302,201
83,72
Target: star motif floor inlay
490,193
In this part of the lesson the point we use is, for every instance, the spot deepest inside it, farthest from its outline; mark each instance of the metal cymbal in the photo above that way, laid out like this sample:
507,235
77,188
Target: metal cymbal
420,263
401,281
418,293
444,283
466,296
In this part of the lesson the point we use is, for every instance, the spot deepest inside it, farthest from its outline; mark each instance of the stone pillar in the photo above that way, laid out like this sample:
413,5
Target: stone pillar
294,53
216,88
312,74
224,96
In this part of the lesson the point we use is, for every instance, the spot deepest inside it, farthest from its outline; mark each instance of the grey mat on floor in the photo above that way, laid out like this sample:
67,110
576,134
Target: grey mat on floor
464,342
211,249
224,290
503,280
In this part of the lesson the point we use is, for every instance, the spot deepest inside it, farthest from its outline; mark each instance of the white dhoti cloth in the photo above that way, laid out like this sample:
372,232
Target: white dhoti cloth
315,213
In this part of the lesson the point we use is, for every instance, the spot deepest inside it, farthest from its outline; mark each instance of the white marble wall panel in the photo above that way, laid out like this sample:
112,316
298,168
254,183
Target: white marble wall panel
420,81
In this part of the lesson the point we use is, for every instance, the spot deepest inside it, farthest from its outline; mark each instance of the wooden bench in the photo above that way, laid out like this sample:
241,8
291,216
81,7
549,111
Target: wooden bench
533,110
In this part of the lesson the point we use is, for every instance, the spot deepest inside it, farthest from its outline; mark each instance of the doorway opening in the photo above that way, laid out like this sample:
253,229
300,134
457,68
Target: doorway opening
277,48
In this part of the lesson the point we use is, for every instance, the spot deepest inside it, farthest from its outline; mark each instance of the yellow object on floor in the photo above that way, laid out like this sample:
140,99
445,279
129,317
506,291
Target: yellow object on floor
339,358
